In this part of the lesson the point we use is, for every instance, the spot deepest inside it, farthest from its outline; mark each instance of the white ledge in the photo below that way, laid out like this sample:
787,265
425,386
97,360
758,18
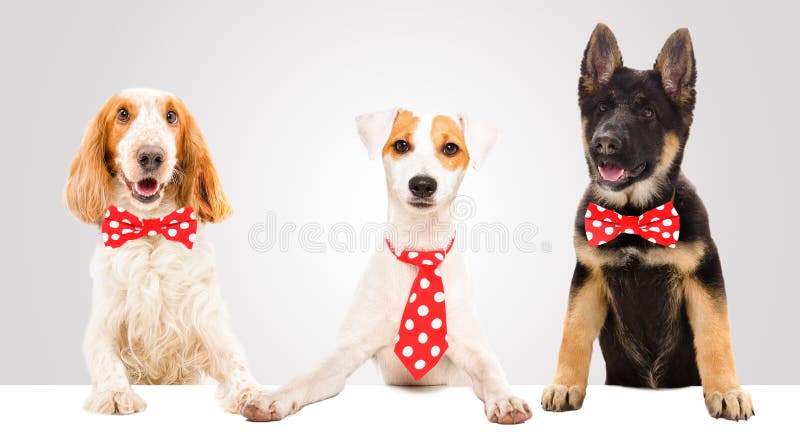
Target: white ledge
408,417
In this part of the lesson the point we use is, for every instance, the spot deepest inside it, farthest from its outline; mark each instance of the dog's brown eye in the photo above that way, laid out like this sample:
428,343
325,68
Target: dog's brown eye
123,116
648,112
401,146
450,149
603,107
172,117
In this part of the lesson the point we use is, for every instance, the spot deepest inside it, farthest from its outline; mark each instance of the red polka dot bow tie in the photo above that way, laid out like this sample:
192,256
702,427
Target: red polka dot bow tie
120,226
660,225
421,339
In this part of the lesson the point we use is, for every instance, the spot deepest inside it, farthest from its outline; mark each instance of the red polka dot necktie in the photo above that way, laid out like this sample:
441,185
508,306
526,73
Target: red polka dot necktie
661,225
421,339
120,226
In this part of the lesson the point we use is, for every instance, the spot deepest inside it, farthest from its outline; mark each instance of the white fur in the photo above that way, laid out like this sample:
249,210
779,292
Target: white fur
372,323
480,139
374,129
149,128
157,314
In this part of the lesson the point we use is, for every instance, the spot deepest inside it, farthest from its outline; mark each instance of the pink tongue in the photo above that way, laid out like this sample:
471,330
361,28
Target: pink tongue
610,172
147,187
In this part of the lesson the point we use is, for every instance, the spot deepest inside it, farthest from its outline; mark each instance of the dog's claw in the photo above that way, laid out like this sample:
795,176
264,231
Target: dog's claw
560,398
740,407
507,411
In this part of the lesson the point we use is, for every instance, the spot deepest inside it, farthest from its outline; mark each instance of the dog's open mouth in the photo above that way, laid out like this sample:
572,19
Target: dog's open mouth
145,190
421,203
615,174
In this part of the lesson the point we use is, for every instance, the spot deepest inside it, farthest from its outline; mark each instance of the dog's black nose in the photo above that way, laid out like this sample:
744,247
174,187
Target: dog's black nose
606,144
422,186
150,157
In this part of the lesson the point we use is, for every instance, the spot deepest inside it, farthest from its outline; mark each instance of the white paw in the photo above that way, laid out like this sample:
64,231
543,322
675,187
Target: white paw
734,404
268,407
557,397
124,401
507,410
234,401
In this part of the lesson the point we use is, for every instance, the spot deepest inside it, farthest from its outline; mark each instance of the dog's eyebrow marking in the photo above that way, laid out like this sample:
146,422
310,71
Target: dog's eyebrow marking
445,130
403,129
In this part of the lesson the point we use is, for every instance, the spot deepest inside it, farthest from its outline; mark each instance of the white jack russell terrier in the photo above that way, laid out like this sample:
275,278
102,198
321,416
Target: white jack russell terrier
398,315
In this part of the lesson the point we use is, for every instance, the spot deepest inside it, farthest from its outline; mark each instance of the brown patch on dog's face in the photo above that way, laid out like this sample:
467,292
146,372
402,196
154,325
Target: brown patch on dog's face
89,189
635,122
585,141
403,130
669,150
117,126
449,143
642,192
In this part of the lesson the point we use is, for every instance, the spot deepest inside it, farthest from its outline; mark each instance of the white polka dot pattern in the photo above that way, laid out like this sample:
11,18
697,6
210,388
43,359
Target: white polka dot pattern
603,225
120,226
421,340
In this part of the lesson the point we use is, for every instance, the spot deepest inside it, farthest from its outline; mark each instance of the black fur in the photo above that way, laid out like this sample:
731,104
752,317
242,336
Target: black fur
646,341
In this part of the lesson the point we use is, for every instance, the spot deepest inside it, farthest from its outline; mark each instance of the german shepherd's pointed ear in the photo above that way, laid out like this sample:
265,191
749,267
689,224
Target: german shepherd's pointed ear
600,60
200,185
89,191
676,66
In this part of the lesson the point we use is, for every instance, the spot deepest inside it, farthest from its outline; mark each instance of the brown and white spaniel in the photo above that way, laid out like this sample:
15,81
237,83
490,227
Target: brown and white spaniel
157,314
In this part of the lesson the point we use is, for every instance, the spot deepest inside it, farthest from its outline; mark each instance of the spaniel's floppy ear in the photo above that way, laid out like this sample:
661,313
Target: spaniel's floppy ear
89,191
200,186
480,139
374,129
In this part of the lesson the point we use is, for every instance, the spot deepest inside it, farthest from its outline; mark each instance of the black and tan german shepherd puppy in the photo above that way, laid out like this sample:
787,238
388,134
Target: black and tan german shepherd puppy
661,313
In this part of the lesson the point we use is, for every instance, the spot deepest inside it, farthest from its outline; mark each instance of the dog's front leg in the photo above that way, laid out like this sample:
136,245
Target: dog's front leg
111,392
488,380
586,314
324,381
708,315
470,352
227,364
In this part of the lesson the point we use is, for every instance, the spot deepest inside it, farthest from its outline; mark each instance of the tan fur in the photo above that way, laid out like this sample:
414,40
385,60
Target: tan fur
585,140
684,258
639,193
157,314
669,57
586,314
202,189
371,326
445,130
403,129
708,315
88,191
608,64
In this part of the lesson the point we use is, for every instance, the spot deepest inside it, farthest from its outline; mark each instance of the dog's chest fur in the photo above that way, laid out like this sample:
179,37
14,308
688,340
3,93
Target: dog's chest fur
646,339
154,289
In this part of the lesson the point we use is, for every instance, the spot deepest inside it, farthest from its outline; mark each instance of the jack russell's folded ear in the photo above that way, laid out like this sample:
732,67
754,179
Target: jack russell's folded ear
374,129
480,139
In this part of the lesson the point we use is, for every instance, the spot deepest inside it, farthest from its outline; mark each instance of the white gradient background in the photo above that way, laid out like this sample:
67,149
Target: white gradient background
275,88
